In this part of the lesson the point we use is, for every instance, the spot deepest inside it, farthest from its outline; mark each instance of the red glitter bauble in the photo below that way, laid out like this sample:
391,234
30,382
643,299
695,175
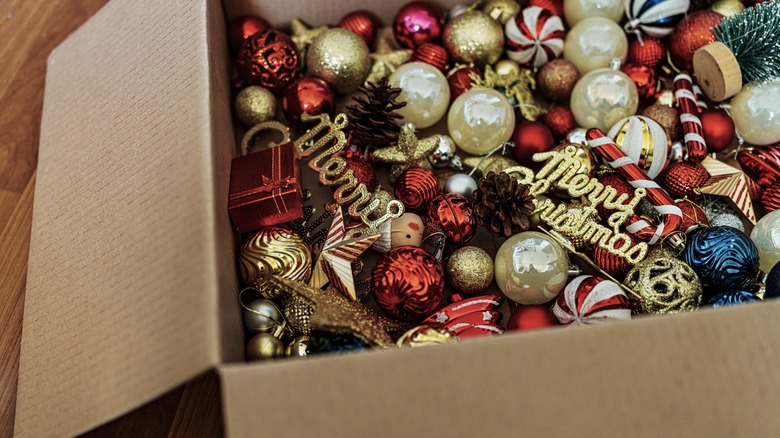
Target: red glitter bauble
560,120
241,28
460,80
453,214
362,170
417,23
691,34
432,54
531,317
612,264
770,199
530,138
308,95
268,58
554,6
692,214
650,51
362,23
682,178
645,79
619,183
717,129
407,283
415,188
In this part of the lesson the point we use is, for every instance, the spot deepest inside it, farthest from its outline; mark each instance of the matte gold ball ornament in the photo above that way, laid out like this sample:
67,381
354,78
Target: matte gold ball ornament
469,270
339,57
254,105
264,346
474,37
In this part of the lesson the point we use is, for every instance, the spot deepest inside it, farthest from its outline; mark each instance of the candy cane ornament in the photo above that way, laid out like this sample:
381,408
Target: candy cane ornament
689,117
699,98
604,147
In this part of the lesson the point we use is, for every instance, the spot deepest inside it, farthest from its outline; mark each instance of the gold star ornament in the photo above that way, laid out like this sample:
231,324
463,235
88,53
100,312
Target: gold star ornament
385,60
732,183
303,35
409,152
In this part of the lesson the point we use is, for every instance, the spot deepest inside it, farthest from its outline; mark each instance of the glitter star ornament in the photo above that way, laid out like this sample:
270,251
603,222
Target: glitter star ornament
303,35
732,183
409,152
334,264
386,60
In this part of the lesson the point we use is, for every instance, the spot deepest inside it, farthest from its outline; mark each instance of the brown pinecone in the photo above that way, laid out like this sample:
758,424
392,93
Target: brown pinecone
372,116
502,205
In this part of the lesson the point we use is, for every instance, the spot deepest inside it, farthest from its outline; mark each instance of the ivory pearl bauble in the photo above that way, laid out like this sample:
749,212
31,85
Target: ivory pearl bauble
766,236
603,97
756,113
480,120
340,57
593,43
531,268
578,10
425,91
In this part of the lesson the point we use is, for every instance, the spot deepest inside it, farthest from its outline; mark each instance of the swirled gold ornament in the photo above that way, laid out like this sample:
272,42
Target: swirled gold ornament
425,335
663,284
278,249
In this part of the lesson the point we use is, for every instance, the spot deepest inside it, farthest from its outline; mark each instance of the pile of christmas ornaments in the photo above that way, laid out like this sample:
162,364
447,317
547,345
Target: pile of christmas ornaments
586,160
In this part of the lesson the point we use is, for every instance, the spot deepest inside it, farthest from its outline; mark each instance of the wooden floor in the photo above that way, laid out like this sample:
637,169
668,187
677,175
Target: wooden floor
29,30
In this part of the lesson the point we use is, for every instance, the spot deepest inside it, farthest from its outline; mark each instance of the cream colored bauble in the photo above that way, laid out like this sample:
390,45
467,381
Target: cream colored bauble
425,91
766,236
593,43
531,268
756,113
480,120
603,97
578,10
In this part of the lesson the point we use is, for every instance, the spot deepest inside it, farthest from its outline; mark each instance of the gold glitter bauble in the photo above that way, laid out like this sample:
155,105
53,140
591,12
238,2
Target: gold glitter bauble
278,248
727,8
339,57
264,346
507,67
470,270
425,335
474,37
501,10
255,105
664,284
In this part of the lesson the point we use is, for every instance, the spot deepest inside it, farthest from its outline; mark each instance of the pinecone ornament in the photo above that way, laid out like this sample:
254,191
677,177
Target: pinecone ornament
502,205
372,116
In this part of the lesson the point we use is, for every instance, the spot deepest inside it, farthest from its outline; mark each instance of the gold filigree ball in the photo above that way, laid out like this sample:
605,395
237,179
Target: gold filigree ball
664,284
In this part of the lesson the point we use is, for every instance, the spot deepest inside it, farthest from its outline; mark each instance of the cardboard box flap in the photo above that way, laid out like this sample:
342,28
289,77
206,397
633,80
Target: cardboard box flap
130,235
683,375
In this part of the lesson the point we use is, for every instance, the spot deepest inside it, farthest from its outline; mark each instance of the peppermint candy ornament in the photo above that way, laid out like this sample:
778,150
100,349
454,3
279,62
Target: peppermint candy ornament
591,300
655,17
534,37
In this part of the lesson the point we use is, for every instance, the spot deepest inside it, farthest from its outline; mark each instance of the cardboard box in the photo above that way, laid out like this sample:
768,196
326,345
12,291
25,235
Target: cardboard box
132,282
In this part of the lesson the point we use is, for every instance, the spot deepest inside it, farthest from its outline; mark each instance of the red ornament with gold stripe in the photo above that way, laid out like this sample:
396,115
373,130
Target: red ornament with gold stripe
534,37
591,300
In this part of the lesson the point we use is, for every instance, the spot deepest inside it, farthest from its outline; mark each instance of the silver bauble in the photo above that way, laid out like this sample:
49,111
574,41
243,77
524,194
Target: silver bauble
263,316
460,184
444,152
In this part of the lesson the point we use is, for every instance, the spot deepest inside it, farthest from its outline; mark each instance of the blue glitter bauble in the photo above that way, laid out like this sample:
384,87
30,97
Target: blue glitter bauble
773,283
732,298
724,258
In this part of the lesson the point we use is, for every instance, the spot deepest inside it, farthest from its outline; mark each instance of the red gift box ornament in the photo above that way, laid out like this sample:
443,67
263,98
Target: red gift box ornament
264,185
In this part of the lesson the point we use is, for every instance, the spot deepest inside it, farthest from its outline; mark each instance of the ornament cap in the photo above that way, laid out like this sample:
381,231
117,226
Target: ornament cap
717,71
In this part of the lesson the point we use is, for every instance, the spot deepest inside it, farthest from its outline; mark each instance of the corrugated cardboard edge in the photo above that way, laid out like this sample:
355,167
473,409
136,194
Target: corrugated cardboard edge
711,373
127,174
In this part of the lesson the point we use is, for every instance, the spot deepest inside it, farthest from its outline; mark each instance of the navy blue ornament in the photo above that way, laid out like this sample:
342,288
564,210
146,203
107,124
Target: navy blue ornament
655,17
773,283
724,258
732,298
327,343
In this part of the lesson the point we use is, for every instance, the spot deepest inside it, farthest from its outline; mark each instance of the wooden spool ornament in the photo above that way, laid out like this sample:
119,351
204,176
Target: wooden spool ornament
717,71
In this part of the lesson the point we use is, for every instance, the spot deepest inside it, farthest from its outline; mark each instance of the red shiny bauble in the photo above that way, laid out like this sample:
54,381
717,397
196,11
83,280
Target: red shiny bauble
770,199
362,170
362,23
531,317
691,34
453,214
717,129
612,264
692,214
432,54
415,188
645,79
531,138
417,23
620,184
241,28
407,283
560,120
268,58
682,178
554,6
460,80
650,51
308,95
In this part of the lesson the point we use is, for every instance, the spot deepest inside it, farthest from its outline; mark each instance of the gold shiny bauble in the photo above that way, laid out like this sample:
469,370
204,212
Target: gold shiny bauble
666,98
278,248
501,10
583,155
663,284
255,104
535,220
727,8
474,37
469,270
507,67
264,346
531,268
298,347
339,57
425,335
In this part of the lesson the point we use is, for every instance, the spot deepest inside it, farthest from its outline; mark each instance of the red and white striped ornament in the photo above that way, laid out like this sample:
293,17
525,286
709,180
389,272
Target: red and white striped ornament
689,117
534,37
591,300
